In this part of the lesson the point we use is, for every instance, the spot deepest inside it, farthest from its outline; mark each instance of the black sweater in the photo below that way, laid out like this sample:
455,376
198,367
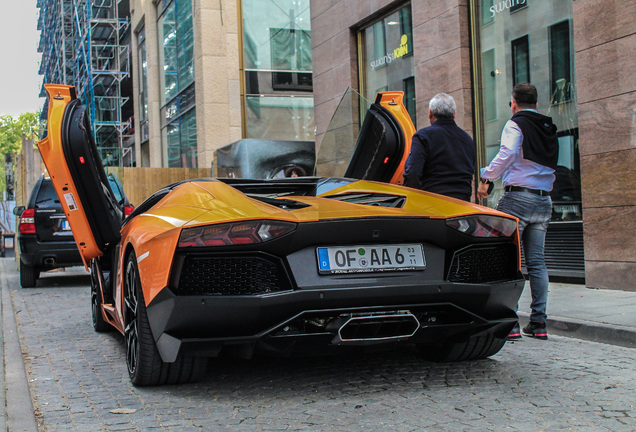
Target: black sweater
442,160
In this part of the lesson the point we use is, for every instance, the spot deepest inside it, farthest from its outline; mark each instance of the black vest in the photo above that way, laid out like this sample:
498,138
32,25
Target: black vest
540,143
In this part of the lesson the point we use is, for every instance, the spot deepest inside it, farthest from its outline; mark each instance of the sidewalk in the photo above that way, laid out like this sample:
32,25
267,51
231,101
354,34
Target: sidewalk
17,407
606,316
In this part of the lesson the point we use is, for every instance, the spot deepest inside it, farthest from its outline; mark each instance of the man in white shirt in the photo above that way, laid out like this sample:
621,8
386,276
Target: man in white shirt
526,163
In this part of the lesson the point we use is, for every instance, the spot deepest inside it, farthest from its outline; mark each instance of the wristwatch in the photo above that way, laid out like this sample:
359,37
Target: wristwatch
485,180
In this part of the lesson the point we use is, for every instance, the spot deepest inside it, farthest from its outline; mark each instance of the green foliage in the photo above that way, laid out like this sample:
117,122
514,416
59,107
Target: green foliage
11,131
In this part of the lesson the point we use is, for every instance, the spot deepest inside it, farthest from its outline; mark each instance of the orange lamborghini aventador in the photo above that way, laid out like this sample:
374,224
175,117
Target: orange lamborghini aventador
286,265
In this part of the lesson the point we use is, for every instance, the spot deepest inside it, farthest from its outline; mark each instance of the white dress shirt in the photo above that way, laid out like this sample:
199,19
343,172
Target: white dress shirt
512,168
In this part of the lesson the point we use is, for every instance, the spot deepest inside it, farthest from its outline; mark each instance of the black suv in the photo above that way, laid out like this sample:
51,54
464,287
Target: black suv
44,235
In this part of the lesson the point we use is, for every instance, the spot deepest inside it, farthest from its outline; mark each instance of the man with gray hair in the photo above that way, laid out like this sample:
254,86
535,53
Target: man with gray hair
442,157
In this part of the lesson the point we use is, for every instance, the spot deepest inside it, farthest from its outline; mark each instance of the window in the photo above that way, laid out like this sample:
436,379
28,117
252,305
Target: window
409,97
386,57
379,40
143,83
291,50
520,60
490,84
176,56
180,138
516,5
176,53
280,117
487,16
560,63
168,54
185,41
529,44
406,28
278,70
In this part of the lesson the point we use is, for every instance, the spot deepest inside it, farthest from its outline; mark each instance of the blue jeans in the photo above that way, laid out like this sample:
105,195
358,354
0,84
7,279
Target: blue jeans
534,212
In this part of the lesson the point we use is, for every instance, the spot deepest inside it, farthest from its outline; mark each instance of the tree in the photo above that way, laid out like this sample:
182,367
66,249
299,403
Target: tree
11,131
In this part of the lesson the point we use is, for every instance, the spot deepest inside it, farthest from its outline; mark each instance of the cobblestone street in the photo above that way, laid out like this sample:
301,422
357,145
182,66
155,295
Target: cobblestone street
78,381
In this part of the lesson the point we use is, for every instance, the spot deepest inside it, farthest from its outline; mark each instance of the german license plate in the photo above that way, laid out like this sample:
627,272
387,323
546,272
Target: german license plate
370,258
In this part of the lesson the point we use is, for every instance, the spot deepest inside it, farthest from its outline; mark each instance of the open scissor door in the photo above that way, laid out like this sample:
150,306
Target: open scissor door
384,141
71,157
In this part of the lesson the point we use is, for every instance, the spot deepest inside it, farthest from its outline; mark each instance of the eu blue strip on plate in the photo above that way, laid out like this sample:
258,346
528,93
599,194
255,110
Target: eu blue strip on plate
323,257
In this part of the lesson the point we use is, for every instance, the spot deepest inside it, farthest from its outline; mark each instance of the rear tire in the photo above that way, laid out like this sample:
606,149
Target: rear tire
474,348
145,366
28,275
100,325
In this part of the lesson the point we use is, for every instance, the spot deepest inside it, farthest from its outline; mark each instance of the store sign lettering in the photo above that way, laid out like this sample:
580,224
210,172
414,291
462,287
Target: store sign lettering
401,51
503,5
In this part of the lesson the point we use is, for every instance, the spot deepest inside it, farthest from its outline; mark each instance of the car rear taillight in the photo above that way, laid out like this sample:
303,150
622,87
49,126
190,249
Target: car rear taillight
236,233
483,225
128,210
27,222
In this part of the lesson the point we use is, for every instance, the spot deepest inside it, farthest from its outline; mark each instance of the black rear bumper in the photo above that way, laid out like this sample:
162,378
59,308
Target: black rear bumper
292,320
48,254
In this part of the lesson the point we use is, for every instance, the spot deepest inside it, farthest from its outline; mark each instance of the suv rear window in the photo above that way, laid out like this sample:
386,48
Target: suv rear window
47,198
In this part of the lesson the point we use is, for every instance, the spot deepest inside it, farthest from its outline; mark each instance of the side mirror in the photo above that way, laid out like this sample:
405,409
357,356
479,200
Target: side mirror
18,210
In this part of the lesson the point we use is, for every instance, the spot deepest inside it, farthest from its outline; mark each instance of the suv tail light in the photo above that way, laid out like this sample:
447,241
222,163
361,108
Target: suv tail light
27,221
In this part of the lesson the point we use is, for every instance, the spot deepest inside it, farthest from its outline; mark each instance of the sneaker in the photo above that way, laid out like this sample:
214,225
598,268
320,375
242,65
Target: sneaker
515,333
536,330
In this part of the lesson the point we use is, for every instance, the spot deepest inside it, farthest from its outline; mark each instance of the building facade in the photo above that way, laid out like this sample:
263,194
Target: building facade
212,72
578,54
207,73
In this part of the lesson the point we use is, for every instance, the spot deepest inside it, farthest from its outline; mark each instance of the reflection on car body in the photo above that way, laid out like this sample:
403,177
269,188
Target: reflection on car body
213,265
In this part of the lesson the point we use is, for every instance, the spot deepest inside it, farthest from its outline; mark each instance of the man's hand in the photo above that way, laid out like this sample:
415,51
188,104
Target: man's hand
482,190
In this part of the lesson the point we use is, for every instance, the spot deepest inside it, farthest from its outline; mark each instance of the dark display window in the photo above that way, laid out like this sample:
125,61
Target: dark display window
520,60
386,57
560,63
522,41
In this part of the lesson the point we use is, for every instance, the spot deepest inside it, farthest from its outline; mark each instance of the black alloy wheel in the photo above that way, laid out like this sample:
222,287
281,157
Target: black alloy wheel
131,332
99,323
145,366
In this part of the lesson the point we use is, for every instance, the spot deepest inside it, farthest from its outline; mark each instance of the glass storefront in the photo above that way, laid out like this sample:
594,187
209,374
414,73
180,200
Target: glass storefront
176,53
180,138
277,64
386,57
529,41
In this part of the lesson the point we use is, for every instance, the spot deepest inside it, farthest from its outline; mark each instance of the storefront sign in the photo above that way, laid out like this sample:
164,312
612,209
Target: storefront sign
501,6
396,54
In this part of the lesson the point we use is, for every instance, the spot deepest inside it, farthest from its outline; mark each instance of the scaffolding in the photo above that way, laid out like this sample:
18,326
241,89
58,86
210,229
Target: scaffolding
85,43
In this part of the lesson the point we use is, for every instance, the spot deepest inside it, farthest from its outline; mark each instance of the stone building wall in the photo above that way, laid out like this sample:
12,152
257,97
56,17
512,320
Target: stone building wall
605,53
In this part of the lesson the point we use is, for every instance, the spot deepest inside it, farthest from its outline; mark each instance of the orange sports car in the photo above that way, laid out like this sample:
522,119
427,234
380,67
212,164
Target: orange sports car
286,265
